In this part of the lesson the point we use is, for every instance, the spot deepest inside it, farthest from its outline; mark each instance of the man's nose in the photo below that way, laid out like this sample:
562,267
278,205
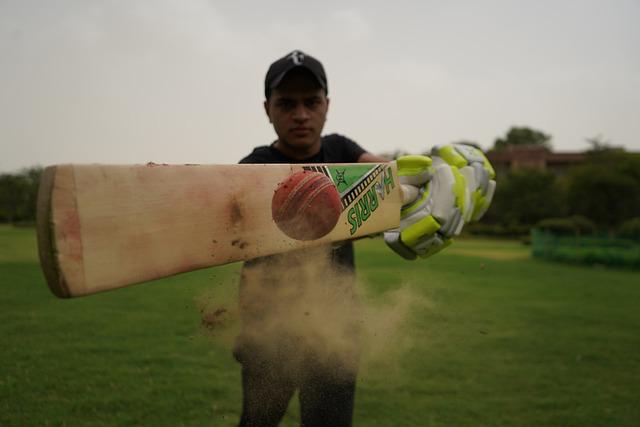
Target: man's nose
301,113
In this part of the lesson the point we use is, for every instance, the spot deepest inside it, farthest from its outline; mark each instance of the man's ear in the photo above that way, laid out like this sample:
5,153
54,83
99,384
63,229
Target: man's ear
325,116
266,109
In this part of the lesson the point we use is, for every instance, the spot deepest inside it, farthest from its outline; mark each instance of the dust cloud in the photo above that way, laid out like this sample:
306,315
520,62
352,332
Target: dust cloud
300,305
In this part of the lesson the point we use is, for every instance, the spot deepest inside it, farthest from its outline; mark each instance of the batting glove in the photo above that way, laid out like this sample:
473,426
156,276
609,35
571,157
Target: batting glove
452,187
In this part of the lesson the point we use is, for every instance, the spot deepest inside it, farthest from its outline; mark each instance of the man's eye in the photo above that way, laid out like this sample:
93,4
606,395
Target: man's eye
286,104
312,103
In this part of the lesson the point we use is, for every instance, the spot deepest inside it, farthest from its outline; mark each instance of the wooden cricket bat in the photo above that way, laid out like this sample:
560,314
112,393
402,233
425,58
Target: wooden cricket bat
102,227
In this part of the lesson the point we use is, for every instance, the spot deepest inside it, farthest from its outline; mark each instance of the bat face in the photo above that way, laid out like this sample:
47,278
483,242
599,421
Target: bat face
102,227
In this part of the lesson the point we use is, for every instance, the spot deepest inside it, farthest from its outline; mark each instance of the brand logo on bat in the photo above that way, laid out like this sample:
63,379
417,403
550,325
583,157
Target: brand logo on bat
366,204
361,187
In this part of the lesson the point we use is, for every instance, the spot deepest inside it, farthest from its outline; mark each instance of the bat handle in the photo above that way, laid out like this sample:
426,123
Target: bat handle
408,193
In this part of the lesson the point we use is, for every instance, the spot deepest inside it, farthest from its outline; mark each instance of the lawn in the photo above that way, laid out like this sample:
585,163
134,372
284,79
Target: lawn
479,335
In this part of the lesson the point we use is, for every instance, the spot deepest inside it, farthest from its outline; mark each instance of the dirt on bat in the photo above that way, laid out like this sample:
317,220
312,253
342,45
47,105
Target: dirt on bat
299,306
235,211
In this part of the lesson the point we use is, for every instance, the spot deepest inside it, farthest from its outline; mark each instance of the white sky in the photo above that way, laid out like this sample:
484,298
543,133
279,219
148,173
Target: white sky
181,81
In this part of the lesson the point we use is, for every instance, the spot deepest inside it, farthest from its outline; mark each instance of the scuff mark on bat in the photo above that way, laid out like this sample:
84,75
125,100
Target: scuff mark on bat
239,243
235,211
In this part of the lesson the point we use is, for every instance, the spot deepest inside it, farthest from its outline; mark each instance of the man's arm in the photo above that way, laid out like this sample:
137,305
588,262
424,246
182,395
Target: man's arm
371,158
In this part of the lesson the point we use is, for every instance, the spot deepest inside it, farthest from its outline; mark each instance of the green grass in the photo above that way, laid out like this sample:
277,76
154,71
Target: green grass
494,339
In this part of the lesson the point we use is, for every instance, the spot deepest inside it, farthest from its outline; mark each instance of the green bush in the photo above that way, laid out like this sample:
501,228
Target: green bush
571,226
585,249
631,229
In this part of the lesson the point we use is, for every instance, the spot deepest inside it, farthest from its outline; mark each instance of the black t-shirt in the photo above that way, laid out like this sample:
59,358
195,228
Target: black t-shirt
334,149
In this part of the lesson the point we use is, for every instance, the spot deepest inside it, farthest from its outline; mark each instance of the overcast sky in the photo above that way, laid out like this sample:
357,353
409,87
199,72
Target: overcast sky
181,81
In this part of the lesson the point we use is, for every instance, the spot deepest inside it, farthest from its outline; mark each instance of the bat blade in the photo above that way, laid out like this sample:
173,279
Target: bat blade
103,227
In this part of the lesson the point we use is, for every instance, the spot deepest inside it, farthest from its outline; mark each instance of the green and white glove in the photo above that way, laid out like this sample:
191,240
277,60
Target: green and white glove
452,188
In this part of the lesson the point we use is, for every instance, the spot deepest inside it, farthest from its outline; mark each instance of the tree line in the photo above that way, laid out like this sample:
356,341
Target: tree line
601,194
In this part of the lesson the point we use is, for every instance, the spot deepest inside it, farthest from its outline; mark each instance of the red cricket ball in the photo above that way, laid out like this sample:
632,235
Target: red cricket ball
306,206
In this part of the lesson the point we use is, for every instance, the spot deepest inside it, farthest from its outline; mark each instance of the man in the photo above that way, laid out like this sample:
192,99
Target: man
299,334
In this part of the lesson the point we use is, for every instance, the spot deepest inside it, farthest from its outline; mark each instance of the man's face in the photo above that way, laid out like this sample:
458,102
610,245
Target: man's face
297,109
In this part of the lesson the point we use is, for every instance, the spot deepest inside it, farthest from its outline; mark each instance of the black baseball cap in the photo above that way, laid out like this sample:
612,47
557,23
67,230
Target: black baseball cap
295,59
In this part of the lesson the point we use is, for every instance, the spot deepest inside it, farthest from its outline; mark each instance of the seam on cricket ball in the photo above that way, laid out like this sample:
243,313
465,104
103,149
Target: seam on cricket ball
284,207
315,193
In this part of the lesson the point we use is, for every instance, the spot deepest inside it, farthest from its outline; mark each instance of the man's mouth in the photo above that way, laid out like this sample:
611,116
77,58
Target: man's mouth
301,131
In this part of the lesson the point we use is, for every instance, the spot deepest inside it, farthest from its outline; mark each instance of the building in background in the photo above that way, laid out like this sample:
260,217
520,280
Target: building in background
517,157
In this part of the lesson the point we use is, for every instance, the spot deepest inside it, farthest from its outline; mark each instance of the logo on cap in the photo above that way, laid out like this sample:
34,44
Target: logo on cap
297,57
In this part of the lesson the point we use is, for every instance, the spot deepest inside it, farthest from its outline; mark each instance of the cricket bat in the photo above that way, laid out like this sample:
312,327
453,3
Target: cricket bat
102,227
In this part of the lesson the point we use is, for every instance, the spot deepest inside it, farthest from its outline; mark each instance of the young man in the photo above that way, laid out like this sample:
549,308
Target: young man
299,310
278,361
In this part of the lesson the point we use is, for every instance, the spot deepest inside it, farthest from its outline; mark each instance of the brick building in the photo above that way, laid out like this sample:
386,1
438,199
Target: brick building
516,157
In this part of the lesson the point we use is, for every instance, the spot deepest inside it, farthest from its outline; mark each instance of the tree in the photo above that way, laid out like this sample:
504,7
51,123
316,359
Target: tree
32,179
599,144
606,188
12,195
523,136
18,195
525,197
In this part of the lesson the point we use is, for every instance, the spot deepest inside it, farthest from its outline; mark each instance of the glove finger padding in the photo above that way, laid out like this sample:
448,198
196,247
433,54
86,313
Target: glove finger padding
478,172
414,172
432,215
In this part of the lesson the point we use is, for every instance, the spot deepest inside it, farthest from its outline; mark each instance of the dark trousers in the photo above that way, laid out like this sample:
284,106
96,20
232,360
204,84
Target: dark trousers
300,332
326,394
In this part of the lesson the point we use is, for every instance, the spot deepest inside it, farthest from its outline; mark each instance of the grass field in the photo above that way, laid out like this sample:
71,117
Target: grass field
498,339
